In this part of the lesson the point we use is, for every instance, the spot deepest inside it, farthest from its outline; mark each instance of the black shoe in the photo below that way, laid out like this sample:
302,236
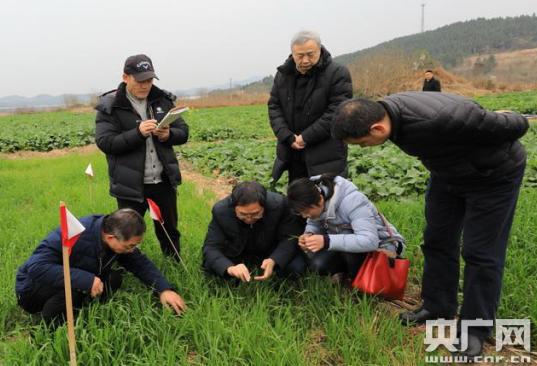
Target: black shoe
474,349
419,316
337,278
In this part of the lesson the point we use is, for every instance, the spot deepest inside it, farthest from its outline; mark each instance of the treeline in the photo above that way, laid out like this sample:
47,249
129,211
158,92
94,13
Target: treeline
385,72
452,43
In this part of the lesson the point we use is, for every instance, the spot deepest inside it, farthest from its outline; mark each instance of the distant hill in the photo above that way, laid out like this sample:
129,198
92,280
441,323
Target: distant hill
46,101
219,87
512,67
13,102
459,52
471,57
452,43
475,57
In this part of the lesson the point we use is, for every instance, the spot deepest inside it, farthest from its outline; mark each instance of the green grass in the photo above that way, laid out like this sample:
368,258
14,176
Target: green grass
309,322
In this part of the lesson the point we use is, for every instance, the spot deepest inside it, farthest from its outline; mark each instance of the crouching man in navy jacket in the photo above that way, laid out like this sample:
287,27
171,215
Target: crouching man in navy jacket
107,238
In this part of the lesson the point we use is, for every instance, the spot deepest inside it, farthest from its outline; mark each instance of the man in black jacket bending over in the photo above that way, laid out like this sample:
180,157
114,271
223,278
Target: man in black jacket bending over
476,166
252,228
307,89
141,160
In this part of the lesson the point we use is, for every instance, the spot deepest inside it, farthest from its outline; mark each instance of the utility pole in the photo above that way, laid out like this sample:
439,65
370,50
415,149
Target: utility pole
422,17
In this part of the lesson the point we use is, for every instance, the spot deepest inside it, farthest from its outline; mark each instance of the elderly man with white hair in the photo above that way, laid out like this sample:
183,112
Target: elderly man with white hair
307,89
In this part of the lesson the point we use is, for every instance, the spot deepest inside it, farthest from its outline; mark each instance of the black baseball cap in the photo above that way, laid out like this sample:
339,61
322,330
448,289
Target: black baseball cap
139,66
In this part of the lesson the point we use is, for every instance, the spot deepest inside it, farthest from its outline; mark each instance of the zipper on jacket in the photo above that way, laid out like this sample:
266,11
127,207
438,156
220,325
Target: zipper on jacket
106,264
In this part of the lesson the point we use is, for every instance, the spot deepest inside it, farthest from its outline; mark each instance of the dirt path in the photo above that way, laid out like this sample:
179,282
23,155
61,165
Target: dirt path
88,149
220,186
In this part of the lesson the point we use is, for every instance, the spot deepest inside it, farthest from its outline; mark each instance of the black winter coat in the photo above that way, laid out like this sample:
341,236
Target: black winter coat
329,85
273,236
431,85
89,258
455,138
118,136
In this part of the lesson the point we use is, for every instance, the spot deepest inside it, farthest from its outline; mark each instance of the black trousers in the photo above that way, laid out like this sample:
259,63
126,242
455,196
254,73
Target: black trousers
327,262
50,301
166,198
294,269
297,166
483,214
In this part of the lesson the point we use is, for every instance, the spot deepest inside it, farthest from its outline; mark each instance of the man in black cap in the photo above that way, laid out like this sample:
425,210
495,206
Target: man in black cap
141,160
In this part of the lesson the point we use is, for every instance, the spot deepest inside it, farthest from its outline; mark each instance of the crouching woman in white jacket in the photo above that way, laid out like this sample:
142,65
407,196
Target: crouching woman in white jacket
342,225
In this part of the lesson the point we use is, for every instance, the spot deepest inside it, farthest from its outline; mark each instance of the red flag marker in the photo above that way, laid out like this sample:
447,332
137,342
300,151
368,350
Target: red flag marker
71,227
154,211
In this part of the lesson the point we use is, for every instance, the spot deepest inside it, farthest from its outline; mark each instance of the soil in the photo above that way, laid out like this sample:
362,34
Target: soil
220,186
88,149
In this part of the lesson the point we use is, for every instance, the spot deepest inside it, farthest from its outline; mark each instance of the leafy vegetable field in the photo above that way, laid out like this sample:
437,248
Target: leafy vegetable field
521,102
46,131
381,173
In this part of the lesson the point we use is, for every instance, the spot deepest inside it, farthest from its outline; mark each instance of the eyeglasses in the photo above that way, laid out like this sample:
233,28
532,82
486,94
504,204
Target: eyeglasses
253,216
129,245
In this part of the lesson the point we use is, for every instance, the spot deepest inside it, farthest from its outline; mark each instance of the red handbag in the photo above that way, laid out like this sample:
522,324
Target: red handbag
382,275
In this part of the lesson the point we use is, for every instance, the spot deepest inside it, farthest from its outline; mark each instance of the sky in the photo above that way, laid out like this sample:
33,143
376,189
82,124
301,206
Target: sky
71,46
